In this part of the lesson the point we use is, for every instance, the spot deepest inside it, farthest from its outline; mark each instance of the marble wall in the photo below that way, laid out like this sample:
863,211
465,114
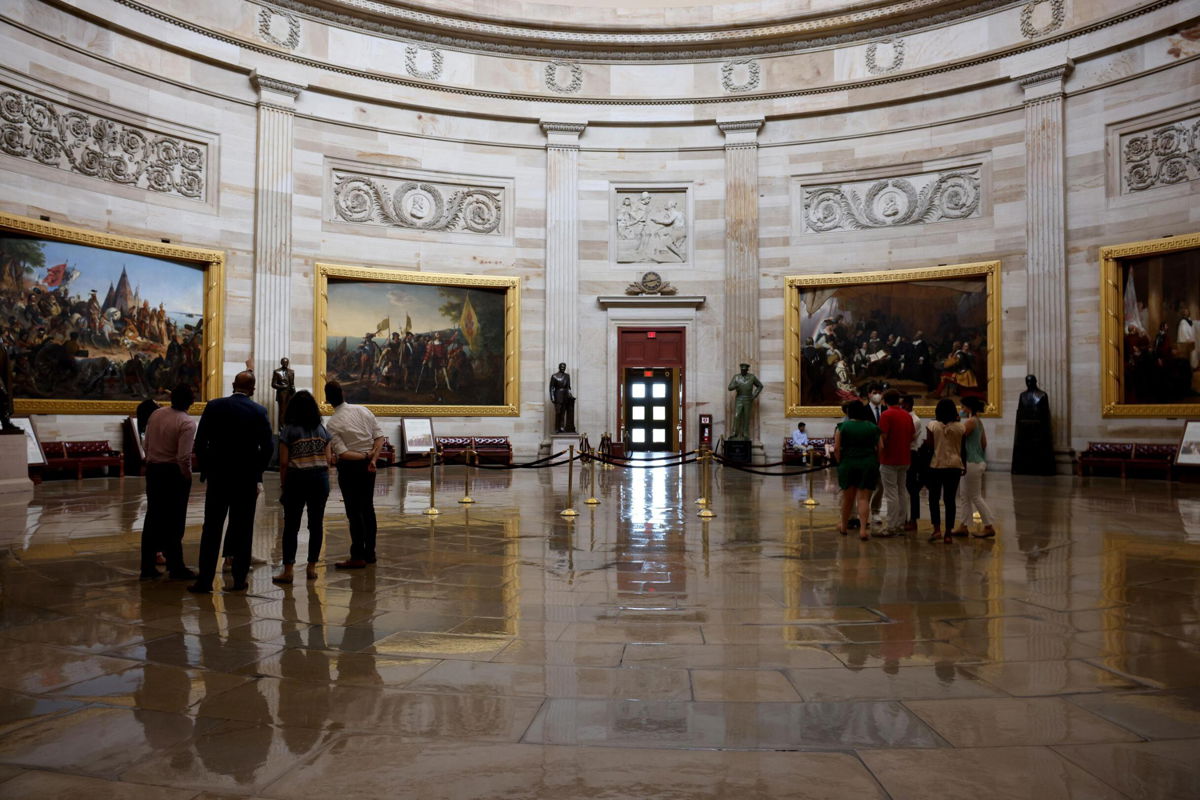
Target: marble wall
358,106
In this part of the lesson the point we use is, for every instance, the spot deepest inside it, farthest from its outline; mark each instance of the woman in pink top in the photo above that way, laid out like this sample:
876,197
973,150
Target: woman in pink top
946,467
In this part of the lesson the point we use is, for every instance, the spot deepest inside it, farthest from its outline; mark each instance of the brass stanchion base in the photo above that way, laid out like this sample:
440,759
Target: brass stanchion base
593,501
431,512
568,512
812,502
706,513
700,501
467,500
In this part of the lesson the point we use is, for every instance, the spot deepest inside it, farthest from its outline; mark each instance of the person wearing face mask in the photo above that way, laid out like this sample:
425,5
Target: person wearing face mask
970,491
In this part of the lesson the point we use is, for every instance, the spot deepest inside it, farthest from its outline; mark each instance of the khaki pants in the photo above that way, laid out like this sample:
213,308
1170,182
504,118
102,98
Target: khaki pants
894,480
970,494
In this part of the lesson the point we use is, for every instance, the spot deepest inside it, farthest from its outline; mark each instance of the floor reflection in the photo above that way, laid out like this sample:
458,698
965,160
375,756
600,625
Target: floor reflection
636,626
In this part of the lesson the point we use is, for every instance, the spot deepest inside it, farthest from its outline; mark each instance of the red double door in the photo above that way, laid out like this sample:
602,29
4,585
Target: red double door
650,394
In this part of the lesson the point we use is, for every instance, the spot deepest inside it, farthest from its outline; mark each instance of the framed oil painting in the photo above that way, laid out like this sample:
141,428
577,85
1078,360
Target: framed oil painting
417,435
1150,316
419,343
95,323
930,333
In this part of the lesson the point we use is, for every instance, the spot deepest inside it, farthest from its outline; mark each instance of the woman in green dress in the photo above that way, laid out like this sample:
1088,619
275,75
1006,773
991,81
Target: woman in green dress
856,448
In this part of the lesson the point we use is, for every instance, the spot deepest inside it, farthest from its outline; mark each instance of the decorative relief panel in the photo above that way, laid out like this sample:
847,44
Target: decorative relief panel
1161,156
417,204
412,54
1041,17
279,28
892,202
554,77
57,135
651,227
740,75
893,50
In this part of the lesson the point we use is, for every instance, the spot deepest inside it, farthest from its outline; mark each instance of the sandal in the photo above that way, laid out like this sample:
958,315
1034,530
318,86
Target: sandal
843,531
311,572
865,536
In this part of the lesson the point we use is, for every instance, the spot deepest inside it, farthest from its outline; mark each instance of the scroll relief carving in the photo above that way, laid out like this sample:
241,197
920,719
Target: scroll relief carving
59,136
417,204
892,202
651,228
279,28
1161,156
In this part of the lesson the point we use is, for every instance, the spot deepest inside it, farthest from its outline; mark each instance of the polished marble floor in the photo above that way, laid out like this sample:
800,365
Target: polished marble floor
500,651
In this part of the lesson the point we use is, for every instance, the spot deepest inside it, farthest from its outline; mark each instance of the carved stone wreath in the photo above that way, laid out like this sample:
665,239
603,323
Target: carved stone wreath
650,283
752,78
893,202
1058,13
411,52
897,56
266,15
576,82
1166,155
416,205
92,145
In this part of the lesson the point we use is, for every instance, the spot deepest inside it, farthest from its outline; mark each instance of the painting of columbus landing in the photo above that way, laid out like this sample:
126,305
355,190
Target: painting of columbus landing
92,328
404,342
1150,306
930,333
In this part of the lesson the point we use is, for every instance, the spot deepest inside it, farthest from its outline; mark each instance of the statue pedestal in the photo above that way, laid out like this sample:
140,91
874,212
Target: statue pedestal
558,441
14,468
739,450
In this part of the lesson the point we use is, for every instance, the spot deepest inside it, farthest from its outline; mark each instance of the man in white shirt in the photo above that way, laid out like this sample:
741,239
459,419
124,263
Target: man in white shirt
915,479
800,437
356,438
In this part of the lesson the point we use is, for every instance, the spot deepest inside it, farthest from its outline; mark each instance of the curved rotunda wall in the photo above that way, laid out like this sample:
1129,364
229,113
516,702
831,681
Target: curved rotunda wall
339,102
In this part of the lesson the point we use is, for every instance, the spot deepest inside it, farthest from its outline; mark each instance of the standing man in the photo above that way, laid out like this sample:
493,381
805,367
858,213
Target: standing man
169,437
876,408
357,439
746,388
233,447
919,456
895,443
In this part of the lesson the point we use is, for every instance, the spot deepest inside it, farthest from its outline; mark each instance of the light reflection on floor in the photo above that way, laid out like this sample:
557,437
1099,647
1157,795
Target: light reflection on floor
502,651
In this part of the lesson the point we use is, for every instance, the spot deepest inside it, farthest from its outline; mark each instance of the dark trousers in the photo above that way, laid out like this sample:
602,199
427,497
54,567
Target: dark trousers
306,488
357,484
943,482
235,498
167,492
915,480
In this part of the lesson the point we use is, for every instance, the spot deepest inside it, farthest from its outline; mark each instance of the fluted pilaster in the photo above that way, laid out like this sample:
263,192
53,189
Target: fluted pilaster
741,248
562,248
272,231
1048,336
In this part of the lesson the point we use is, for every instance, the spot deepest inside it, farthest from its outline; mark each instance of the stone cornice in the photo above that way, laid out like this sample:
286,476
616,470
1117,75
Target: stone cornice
651,301
1056,73
800,32
553,126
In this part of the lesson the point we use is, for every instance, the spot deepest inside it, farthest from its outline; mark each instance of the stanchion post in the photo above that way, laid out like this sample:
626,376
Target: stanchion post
811,501
706,512
466,498
702,500
432,510
593,500
570,511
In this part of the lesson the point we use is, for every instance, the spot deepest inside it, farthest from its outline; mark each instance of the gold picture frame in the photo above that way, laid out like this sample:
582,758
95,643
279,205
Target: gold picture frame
510,392
988,272
1114,397
210,262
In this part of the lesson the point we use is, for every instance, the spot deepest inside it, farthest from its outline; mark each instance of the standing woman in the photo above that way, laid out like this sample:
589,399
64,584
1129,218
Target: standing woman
856,448
970,495
304,476
946,466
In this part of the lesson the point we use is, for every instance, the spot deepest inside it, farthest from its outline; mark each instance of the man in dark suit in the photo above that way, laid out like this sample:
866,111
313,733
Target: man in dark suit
233,447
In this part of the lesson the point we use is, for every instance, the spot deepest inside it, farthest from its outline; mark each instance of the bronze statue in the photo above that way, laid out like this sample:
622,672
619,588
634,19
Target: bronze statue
563,400
283,381
747,388
6,394
1033,444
